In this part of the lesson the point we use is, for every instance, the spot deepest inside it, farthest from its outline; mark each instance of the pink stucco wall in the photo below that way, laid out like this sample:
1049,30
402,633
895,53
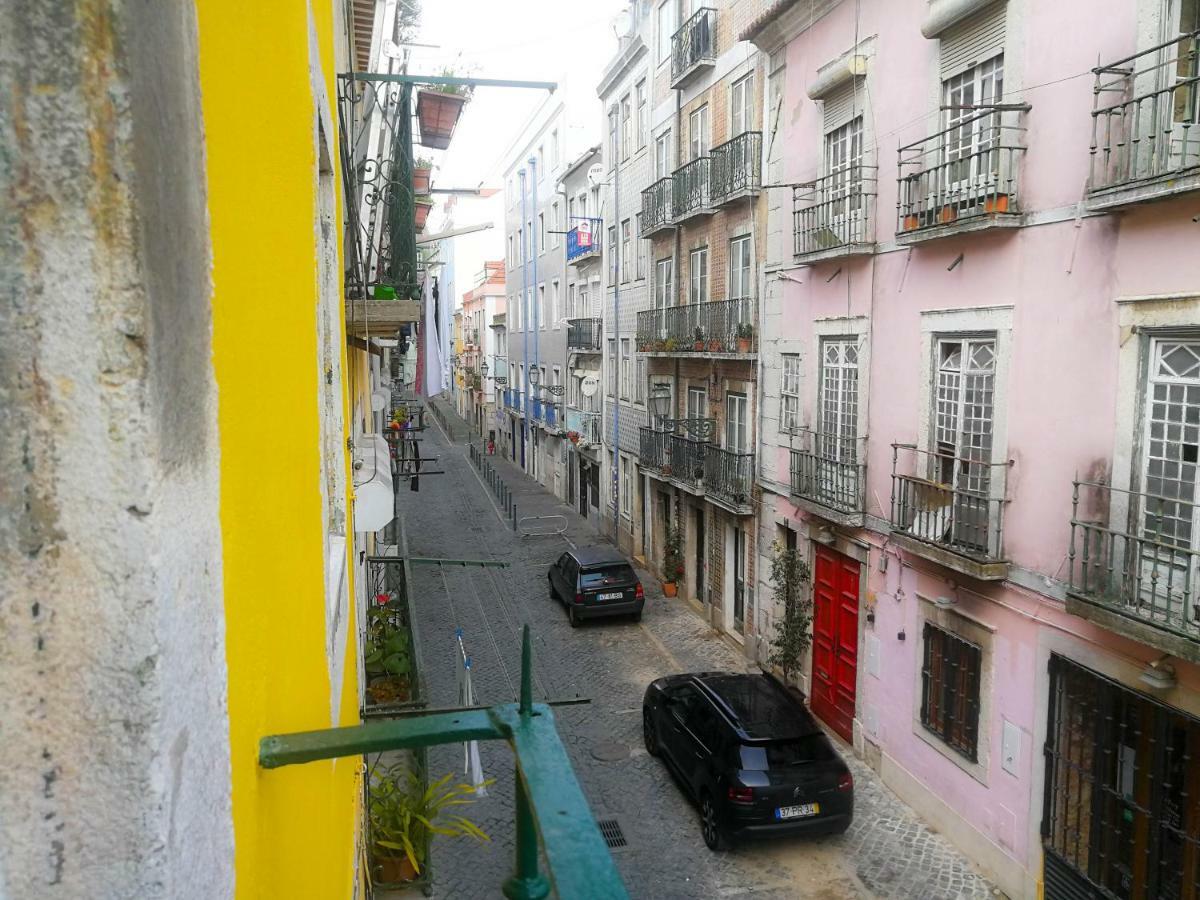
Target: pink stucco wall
1062,280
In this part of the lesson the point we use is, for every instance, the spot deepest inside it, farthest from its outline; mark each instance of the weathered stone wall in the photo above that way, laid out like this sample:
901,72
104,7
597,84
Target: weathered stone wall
114,759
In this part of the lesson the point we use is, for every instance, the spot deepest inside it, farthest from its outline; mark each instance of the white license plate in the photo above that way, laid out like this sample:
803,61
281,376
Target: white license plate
617,596
798,812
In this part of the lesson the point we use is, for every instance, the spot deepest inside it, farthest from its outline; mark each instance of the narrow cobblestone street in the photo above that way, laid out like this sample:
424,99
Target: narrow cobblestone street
886,853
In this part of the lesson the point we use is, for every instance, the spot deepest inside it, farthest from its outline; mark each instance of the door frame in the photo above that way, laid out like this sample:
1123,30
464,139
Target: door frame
860,556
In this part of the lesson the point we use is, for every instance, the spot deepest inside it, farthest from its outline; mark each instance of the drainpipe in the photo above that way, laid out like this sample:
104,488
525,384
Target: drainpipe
616,479
562,286
537,325
526,226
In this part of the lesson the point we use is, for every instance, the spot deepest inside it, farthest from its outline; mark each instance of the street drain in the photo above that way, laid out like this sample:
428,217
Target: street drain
610,751
613,835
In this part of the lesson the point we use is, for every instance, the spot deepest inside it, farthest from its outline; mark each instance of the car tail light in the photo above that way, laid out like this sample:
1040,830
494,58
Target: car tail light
846,782
638,593
579,598
741,794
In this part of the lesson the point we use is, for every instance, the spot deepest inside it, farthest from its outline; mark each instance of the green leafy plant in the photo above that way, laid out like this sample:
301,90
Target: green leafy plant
462,90
699,335
673,553
789,576
403,814
423,162
745,330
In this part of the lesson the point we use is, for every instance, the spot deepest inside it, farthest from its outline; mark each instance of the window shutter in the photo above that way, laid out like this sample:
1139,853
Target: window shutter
976,40
842,106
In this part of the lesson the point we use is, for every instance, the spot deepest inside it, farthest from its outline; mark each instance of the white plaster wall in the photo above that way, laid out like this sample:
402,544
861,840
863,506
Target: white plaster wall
114,761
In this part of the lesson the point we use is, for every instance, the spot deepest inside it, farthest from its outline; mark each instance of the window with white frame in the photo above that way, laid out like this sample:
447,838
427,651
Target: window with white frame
613,261
972,165
640,272
511,264
664,282
541,234
639,124
626,486
838,402
698,276
555,224
843,168
626,126
741,105
963,428
541,306
554,148
639,380
698,132
613,155
571,314
737,422
555,311
697,403
626,374
612,367
666,28
626,250
662,155
789,393
740,277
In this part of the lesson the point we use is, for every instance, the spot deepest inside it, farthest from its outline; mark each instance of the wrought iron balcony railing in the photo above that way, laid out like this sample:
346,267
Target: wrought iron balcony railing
735,169
654,448
583,334
549,414
685,460
966,171
952,503
689,189
1146,116
656,206
728,476
834,212
586,244
720,326
585,423
693,45
1131,555
375,131
830,475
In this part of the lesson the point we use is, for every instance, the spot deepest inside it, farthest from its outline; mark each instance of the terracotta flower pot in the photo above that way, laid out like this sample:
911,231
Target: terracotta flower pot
948,214
743,345
438,114
997,204
912,223
698,346
421,213
421,180
394,870
669,589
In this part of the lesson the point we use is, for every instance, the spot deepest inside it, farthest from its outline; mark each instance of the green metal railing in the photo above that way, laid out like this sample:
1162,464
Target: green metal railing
550,805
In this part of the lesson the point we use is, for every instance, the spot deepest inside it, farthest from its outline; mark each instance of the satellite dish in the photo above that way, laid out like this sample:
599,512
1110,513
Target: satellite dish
623,24
595,174
392,50
589,385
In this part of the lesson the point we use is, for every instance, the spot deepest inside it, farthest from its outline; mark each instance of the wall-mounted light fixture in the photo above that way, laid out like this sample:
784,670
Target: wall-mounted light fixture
1159,674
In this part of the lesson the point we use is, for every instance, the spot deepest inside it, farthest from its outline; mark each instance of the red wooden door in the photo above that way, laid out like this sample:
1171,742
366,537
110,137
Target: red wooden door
835,640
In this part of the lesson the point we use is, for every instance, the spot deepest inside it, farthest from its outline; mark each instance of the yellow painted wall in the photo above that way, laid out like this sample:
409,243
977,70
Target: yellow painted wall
295,827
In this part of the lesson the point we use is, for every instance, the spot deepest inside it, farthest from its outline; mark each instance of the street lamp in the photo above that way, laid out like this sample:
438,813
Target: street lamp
534,377
660,400
483,369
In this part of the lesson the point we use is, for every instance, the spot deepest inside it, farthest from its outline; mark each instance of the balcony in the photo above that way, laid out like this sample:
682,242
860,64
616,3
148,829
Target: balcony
720,329
549,415
689,190
656,207
728,477
830,484
1132,570
1145,131
654,449
735,170
693,46
963,178
584,245
583,335
952,514
832,217
584,423
514,400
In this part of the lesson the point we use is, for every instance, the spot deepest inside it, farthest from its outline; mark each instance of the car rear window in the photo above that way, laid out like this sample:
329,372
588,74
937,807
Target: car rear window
621,573
786,754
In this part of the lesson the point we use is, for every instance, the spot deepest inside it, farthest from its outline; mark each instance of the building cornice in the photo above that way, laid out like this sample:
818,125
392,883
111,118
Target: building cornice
620,66
783,21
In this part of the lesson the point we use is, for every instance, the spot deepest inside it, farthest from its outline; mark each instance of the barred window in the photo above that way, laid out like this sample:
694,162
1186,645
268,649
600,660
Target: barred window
950,690
789,411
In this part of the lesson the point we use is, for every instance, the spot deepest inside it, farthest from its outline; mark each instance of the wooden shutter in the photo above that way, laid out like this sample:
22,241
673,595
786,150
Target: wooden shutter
842,106
973,41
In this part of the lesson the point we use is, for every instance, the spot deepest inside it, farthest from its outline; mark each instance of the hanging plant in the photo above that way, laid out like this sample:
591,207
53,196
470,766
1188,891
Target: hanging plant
789,576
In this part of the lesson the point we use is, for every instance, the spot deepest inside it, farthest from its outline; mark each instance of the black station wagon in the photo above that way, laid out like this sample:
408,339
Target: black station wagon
750,755
596,581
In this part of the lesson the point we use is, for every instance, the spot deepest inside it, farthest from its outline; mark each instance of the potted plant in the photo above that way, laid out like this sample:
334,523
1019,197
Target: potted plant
672,560
421,208
948,214
715,346
698,339
670,344
387,657
422,169
403,815
789,575
745,334
998,203
438,109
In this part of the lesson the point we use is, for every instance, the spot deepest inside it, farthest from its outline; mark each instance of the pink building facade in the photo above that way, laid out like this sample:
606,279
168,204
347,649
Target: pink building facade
981,416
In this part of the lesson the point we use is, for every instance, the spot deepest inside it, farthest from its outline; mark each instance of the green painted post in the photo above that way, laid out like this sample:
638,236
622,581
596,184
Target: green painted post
527,883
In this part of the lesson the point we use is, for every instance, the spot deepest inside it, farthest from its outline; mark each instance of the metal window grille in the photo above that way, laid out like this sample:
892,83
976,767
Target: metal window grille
844,185
1122,791
966,384
950,690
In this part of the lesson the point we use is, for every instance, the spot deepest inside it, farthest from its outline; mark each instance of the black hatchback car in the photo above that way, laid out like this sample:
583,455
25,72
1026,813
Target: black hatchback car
750,755
596,581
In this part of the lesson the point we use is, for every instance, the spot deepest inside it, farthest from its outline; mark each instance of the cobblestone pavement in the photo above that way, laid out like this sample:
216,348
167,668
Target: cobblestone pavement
886,853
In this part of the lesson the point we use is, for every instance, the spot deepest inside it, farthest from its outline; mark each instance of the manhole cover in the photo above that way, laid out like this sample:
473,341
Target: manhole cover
613,835
610,751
